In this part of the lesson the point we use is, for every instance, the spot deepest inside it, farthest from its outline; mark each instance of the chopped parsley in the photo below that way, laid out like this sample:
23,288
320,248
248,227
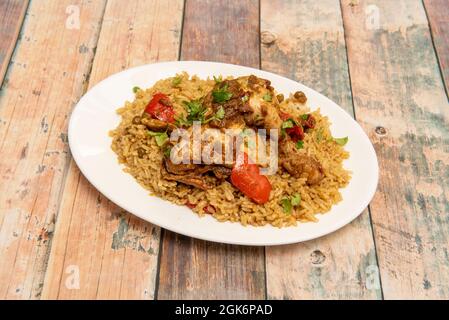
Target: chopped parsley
245,98
319,135
196,111
176,81
222,94
299,144
341,141
296,199
289,123
135,89
219,115
267,97
160,137
167,152
289,203
218,79
304,116
286,205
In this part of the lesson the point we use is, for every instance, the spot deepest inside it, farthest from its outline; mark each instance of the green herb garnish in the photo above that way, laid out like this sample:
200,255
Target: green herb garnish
341,141
319,135
135,89
180,122
218,79
160,137
304,116
167,152
286,205
299,144
245,98
267,97
222,95
196,111
176,81
289,203
289,123
220,113
296,199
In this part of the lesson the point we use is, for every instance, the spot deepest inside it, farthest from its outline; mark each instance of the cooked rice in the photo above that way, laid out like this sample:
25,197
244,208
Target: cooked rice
229,203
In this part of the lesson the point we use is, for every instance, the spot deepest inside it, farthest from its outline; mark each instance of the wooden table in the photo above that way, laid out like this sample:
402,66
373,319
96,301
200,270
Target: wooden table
386,62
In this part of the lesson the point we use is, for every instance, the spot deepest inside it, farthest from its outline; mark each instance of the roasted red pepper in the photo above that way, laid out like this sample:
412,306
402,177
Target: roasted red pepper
190,205
284,116
296,133
246,177
210,209
160,108
309,122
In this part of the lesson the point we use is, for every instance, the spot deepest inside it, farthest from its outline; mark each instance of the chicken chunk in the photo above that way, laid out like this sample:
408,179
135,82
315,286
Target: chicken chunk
299,164
262,102
234,108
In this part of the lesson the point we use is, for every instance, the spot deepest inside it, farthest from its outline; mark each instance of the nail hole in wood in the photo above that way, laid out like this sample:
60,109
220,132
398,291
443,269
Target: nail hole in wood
381,131
317,257
267,38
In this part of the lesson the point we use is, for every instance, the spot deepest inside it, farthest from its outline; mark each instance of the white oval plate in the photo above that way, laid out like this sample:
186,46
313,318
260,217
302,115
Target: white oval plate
95,114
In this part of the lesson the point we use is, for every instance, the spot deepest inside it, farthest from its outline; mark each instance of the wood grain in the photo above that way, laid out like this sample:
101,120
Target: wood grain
44,80
226,31
400,101
12,13
114,253
438,16
305,41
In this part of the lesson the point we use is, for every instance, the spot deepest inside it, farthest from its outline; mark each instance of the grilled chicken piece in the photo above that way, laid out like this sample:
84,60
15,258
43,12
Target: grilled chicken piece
253,103
299,164
235,108
262,102
157,125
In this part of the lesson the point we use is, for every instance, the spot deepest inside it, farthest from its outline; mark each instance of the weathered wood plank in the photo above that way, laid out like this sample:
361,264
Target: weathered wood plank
114,253
45,78
226,31
12,13
438,15
400,101
305,41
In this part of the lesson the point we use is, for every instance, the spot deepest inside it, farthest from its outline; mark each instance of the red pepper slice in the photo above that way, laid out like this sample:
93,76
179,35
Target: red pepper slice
158,110
309,123
246,177
296,133
284,116
190,205
210,209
